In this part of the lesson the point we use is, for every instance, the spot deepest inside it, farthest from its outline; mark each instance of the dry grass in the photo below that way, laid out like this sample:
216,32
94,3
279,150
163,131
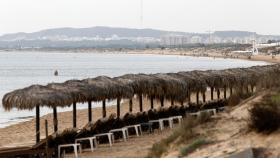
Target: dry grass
189,148
182,134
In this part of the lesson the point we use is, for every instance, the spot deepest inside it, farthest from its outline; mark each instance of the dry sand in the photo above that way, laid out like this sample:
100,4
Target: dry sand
229,133
136,147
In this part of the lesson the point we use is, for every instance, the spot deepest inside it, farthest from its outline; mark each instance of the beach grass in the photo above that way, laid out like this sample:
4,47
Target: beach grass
182,134
187,149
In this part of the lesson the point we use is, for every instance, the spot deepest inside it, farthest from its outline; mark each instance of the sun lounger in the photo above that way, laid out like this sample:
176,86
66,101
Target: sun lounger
179,118
137,129
214,111
109,135
75,146
92,140
147,124
160,122
211,111
170,122
123,130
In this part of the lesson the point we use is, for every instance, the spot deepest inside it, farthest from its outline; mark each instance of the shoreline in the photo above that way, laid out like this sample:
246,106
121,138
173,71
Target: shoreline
24,132
264,58
197,52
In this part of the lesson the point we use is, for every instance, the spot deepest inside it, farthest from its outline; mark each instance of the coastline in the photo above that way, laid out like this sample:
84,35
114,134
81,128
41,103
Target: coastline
23,133
211,54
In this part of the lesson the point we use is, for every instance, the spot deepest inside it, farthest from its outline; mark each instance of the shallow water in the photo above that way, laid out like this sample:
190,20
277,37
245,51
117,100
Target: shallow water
21,69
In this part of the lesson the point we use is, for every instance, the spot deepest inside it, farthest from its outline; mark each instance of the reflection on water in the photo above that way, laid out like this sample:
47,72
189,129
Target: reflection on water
21,69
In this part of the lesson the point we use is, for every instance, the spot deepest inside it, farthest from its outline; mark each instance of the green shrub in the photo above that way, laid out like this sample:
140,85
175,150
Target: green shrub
265,116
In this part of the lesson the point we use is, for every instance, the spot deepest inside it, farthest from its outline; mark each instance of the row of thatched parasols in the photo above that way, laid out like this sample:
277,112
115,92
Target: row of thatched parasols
171,86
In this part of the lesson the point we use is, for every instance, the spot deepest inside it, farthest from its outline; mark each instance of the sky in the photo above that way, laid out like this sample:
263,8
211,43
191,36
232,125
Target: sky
200,16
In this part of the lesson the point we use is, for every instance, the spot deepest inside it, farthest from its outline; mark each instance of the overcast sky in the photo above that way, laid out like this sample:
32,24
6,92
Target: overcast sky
179,15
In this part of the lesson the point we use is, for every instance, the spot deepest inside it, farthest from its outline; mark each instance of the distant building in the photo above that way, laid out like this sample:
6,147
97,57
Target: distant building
174,40
196,39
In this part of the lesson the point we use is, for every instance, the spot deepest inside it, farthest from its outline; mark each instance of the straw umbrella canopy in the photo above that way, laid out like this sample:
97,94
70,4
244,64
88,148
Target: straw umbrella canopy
194,82
211,78
104,87
76,89
141,84
36,95
173,88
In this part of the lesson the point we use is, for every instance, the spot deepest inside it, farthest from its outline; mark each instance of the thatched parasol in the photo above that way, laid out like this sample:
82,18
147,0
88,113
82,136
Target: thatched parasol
76,89
140,83
36,95
104,87
173,88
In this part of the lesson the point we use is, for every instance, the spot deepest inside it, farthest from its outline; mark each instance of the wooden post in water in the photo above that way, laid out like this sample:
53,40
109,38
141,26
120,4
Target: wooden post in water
218,93
47,140
162,101
197,97
225,92
130,105
55,122
152,102
140,102
89,112
212,93
37,124
104,108
118,108
74,115
204,97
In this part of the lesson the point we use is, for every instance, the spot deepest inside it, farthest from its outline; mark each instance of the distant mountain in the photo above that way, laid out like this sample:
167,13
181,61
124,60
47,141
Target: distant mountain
111,37
101,32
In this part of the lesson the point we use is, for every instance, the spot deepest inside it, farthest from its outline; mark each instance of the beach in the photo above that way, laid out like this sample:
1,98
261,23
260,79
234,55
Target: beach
23,133
22,69
209,53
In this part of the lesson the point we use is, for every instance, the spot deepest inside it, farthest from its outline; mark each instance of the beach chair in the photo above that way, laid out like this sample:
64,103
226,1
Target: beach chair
76,146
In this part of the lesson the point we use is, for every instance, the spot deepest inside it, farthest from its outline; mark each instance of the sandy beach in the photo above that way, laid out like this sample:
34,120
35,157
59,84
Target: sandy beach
23,133
228,131
209,53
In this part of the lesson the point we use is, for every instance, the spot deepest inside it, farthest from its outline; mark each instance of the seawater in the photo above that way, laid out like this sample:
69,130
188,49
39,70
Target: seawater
22,69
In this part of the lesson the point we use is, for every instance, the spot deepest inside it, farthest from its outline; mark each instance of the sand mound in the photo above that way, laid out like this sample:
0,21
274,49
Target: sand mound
229,133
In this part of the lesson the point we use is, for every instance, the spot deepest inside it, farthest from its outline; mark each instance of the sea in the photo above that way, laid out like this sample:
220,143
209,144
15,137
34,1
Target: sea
19,69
